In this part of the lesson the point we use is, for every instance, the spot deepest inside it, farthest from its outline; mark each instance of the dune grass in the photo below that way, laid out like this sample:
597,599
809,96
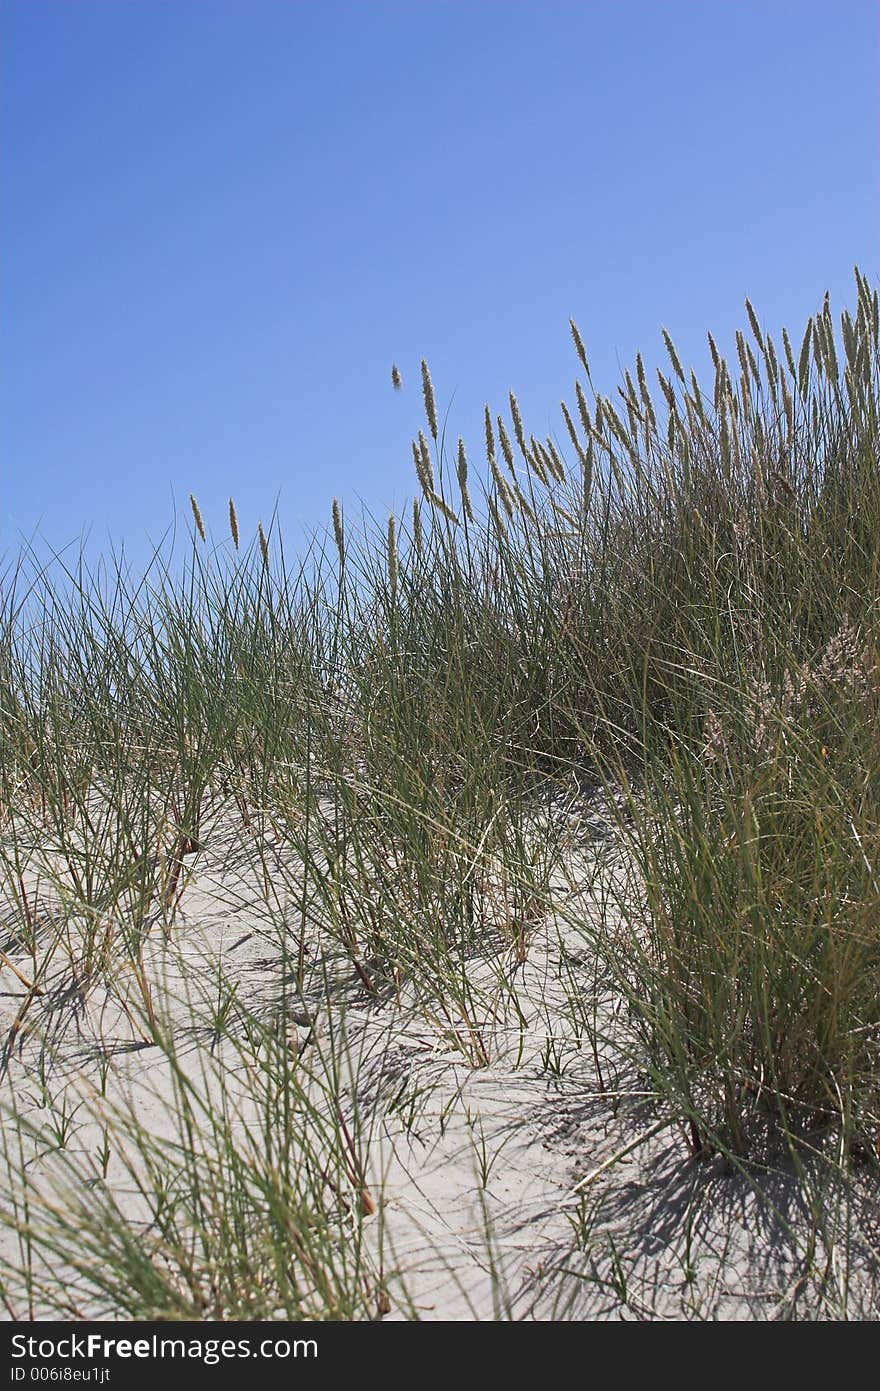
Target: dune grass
673,605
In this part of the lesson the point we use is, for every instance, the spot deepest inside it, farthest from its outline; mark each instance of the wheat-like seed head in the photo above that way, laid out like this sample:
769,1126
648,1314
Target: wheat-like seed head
741,352
518,426
506,446
698,399
789,354
558,466
396,379
587,465
756,328
772,363
417,525
713,349
430,403
724,432
642,378
500,524
803,372
584,410
848,333
442,506
392,554
197,517
618,428
569,424
424,467
462,470
818,343
501,485
673,356
671,427
264,544
490,436
233,523
579,347
551,468
667,388
536,463
831,366
788,407
339,531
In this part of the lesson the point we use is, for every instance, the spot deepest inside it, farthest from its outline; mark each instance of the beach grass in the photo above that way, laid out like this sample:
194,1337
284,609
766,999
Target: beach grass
669,610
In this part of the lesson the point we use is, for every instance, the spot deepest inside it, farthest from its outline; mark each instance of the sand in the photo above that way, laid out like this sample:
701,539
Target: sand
518,1185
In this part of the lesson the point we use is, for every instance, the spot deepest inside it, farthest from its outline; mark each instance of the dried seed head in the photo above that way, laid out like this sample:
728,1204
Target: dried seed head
830,354
490,435
462,464
506,446
788,407
500,524
584,410
197,517
741,352
587,464
501,485
424,467
772,363
339,531
714,351
264,544
789,355
442,506
396,379
233,523
417,525
579,347
848,332
618,428
392,554
673,356
518,426
573,432
536,462
430,403
698,399
555,462
642,380
803,372
818,343
755,326
462,469
667,389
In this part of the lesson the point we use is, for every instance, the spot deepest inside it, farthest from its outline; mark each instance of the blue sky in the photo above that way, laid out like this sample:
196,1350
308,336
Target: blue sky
223,222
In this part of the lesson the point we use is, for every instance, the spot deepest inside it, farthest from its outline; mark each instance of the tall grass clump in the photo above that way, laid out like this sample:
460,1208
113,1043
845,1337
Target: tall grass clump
672,602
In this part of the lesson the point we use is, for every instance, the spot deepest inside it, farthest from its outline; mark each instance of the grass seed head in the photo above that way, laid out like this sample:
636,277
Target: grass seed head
339,531
392,554
430,403
579,347
197,517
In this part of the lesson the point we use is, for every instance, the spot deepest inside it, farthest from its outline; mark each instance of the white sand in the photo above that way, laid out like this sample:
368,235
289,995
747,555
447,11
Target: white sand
483,1174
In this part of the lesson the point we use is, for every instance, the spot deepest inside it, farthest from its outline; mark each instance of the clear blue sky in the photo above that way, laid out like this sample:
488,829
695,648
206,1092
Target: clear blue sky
221,222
